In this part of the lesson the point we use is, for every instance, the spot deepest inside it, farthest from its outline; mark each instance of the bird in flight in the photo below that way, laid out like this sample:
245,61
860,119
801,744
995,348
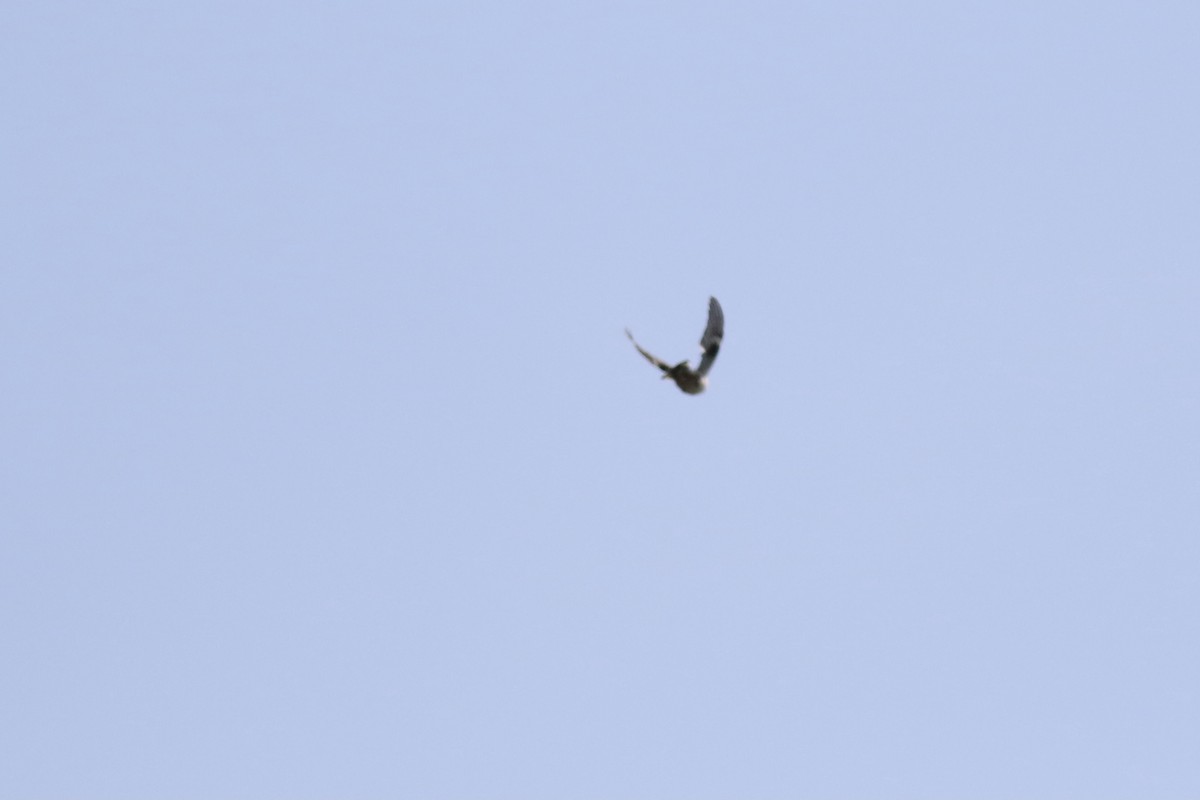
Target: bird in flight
689,380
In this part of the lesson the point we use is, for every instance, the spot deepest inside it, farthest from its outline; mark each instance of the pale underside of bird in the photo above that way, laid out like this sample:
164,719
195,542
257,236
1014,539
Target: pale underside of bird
693,381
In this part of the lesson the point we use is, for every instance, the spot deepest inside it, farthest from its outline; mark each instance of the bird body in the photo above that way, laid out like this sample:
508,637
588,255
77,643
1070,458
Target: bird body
688,380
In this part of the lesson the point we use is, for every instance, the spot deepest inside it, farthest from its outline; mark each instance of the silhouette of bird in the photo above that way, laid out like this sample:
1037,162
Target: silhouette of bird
689,380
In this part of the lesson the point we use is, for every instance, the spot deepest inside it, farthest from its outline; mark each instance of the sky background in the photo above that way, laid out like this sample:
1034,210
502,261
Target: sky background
328,471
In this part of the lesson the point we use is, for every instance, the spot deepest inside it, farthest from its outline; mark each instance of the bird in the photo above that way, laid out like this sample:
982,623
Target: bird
688,380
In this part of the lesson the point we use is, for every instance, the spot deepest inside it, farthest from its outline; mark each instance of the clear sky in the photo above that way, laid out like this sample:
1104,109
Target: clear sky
328,471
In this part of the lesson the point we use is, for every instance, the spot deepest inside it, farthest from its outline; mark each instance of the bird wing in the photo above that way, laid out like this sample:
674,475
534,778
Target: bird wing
656,362
714,332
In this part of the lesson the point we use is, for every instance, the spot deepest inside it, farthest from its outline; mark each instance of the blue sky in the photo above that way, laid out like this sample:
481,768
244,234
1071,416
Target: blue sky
329,472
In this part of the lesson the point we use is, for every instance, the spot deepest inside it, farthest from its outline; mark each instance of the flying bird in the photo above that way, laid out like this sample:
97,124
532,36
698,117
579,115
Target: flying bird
689,380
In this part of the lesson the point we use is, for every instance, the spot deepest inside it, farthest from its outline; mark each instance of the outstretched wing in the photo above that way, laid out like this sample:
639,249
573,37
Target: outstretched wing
656,362
714,331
